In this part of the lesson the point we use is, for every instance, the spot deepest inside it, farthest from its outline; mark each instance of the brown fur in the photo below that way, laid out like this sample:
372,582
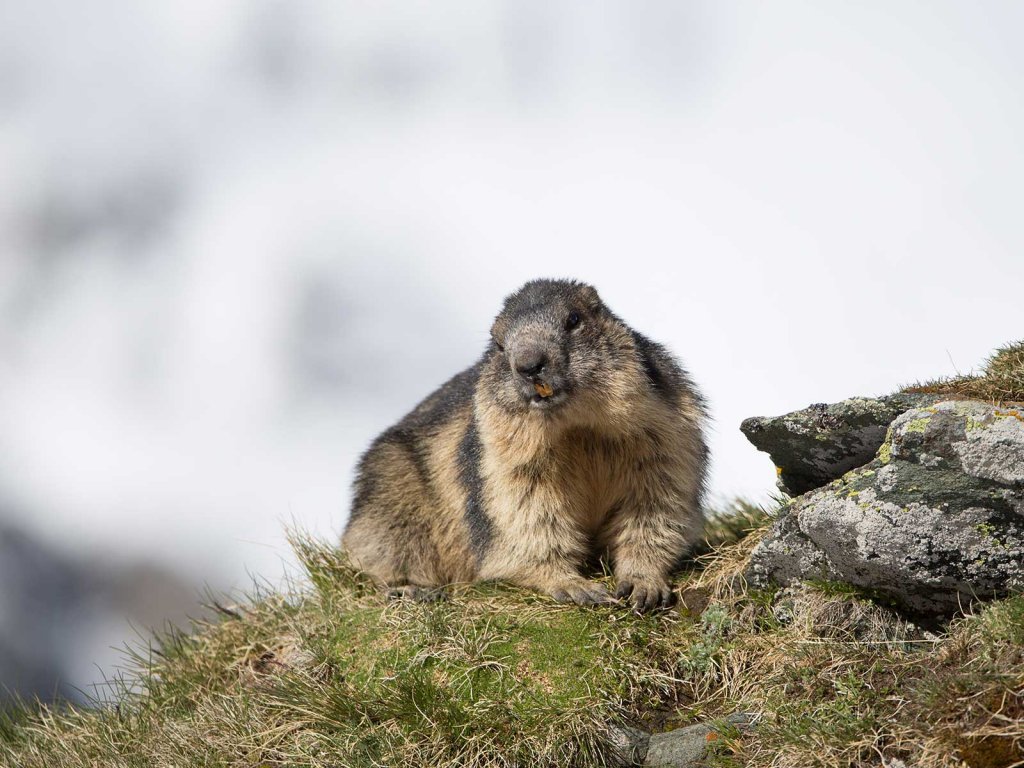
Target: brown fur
484,481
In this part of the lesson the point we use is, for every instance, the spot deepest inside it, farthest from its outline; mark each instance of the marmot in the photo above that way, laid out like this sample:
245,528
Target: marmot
573,435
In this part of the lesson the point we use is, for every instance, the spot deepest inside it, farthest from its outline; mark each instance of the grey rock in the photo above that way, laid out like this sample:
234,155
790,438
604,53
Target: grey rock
628,745
934,522
820,443
687,746
680,748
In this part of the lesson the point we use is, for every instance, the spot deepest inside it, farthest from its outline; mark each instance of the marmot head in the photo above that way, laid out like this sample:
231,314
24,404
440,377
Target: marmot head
555,344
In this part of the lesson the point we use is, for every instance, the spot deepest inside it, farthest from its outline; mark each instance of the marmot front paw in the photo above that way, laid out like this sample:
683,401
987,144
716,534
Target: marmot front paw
581,592
416,594
646,594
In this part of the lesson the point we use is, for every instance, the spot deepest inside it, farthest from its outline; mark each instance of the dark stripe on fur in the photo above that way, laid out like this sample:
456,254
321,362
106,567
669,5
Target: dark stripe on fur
662,373
479,525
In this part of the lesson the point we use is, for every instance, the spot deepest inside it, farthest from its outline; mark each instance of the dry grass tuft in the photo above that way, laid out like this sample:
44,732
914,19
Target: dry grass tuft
730,523
1002,380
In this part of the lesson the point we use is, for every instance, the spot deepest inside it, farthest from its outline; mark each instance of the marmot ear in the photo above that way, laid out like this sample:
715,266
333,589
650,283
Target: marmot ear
588,294
498,332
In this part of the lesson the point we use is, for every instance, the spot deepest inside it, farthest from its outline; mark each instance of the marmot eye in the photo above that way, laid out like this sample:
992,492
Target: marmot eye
573,320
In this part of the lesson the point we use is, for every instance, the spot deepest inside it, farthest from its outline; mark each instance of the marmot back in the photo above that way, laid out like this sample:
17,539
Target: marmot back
572,436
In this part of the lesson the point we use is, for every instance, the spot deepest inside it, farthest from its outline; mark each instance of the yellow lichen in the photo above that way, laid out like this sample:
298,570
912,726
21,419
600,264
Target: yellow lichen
885,452
917,425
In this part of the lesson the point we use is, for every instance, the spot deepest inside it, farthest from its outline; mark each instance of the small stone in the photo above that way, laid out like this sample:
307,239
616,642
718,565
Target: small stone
629,745
687,746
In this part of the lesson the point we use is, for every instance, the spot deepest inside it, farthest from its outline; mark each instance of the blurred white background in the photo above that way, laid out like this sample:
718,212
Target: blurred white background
238,239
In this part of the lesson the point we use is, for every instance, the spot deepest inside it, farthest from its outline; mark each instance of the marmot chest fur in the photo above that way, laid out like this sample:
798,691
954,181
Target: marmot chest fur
572,435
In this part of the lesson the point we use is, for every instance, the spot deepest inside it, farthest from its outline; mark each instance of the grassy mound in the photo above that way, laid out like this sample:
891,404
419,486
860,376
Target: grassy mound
337,674
1001,381
334,675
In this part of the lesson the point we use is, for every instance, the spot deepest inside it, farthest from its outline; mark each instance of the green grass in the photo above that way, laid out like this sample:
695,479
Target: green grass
1001,380
332,674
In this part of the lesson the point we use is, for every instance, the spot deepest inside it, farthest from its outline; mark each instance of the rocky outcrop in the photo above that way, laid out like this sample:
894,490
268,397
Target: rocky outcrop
820,443
933,522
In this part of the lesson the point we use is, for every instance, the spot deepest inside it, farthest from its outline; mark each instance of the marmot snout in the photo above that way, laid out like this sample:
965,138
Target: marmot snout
572,436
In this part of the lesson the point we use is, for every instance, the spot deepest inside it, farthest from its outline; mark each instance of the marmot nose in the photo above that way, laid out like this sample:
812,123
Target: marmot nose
531,361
